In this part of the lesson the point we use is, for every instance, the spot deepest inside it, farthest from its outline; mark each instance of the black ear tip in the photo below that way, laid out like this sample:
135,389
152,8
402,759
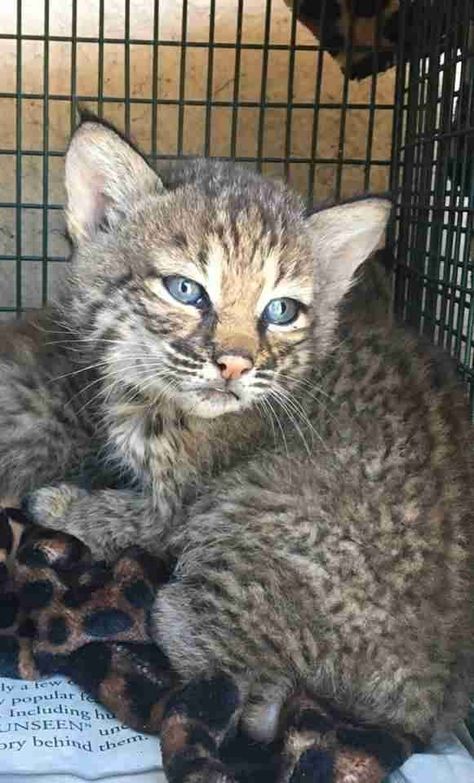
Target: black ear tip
86,115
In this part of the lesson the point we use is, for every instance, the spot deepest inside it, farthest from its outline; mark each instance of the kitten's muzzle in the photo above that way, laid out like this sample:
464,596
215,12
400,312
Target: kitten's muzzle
233,366
221,389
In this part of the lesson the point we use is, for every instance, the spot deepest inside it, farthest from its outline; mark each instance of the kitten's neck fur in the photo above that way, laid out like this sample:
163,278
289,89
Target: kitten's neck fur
169,451
148,439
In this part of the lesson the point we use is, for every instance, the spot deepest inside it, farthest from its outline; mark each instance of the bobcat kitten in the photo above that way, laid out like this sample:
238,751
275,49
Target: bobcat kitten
188,318
327,561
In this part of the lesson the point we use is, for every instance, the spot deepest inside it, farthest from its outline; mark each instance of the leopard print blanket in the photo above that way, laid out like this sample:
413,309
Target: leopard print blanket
365,36
360,34
61,612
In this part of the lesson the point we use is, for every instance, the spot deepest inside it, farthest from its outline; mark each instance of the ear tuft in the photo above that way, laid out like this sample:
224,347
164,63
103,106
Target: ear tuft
105,176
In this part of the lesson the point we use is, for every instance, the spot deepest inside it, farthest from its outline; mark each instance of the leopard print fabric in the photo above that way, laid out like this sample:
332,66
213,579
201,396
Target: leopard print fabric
62,612
360,34
58,599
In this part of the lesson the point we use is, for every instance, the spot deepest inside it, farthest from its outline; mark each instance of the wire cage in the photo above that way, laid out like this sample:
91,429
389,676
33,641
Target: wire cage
433,175
247,80
228,78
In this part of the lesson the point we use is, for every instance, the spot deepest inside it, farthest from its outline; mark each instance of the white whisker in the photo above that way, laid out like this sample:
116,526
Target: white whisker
299,411
289,412
280,427
267,415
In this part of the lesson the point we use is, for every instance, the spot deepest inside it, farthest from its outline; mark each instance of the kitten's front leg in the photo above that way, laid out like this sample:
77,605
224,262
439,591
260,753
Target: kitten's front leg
107,521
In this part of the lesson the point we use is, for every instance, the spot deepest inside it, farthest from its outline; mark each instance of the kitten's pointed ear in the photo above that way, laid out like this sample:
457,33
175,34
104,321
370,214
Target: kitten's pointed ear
105,176
344,236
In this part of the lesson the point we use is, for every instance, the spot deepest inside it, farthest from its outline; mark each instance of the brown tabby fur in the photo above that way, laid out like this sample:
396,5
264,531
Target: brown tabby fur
330,553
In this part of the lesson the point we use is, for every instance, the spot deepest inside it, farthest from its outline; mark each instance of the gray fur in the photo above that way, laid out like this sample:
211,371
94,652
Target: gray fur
331,556
347,574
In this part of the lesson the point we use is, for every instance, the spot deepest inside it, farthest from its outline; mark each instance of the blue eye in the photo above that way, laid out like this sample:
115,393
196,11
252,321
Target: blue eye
281,311
186,291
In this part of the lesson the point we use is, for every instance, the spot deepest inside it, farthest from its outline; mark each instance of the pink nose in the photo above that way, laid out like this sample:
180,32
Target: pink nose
232,367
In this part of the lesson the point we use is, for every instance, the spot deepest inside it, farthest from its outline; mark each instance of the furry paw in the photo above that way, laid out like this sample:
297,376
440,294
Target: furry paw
48,506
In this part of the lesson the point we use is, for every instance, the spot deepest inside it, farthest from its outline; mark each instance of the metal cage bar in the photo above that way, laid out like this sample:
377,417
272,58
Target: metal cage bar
245,80
433,174
242,79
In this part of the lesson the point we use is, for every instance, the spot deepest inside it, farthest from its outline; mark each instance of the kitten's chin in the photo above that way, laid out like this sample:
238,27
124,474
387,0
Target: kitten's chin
209,404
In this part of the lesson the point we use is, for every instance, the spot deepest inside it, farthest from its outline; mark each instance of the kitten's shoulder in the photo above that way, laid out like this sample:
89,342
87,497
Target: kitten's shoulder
22,336
399,352
31,339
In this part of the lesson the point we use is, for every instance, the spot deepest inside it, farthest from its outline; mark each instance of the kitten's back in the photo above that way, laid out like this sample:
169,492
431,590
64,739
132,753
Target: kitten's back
348,574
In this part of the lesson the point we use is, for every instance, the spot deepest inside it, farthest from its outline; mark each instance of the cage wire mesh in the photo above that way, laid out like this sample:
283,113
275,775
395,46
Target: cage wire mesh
243,79
433,174
240,79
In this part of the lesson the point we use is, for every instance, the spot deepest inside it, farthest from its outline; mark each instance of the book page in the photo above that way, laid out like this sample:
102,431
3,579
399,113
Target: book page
52,732
51,726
